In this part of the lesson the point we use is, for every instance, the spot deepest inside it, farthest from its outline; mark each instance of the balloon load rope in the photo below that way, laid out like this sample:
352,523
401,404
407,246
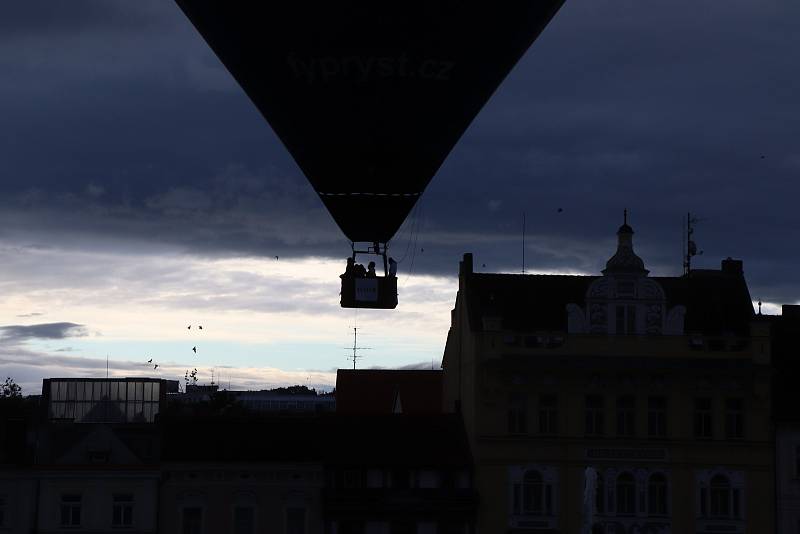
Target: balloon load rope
411,230
420,222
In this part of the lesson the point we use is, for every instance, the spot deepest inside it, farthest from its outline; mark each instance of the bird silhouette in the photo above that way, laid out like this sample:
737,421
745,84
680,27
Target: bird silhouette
560,210
150,360
194,349
189,327
763,156
276,258
200,327
155,366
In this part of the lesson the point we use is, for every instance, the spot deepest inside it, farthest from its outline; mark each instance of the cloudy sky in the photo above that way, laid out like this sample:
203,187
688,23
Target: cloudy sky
141,191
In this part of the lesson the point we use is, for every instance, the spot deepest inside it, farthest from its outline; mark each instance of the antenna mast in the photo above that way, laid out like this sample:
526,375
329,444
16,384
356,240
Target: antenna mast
355,348
691,246
523,242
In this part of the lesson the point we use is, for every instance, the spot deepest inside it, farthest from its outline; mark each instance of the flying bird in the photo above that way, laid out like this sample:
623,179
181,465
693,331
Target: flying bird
276,258
194,349
150,360
200,327
155,366
560,210
189,327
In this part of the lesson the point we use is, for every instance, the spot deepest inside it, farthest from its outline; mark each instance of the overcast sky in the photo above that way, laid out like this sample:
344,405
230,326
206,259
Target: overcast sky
141,191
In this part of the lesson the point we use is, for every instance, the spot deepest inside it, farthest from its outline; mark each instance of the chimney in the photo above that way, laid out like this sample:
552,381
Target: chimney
464,269
731,266
465,266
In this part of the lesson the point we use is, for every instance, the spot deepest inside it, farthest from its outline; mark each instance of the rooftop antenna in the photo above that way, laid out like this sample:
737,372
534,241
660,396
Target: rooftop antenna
691,246
212,376
523,242
355,348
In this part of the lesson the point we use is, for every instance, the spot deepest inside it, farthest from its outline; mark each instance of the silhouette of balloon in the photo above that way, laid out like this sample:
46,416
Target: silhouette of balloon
369,97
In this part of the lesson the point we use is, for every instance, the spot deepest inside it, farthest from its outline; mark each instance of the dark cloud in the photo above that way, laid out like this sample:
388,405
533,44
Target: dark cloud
122,128
18,333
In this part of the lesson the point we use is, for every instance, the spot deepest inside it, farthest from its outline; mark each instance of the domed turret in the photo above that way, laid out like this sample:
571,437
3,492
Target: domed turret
625,260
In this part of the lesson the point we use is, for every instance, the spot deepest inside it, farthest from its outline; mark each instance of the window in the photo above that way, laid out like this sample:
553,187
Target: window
70,510
532,493
122,510
657,495
720,490
702,418
295,521
243,520
548,414
797,461
517,414
352,479
626,319
192,520
375,478
657,417
600,495
626,415
626,494
533,496
594,415
734,418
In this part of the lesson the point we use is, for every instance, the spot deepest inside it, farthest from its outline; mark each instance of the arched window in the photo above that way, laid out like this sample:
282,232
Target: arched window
626,494
657,494
720,491
532,493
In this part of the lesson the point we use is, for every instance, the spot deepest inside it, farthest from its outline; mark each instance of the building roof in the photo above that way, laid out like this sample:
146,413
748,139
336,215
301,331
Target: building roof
376,440
373,391
716,301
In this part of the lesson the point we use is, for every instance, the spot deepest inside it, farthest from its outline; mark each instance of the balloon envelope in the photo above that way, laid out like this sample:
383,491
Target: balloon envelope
369,96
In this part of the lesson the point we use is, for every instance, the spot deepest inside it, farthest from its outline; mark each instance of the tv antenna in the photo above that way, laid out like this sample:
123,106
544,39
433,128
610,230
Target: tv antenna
355,348
523,242
690,249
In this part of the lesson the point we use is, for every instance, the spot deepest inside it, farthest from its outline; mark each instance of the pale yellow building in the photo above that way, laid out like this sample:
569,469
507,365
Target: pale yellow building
619,403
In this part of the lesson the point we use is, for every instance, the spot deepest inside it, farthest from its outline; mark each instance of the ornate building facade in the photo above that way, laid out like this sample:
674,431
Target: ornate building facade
620,403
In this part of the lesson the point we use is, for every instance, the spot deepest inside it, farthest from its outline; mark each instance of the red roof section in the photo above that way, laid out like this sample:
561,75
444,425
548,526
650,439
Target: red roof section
373,391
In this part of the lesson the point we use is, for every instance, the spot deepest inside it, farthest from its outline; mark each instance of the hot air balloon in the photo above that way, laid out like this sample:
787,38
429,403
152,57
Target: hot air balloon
369,97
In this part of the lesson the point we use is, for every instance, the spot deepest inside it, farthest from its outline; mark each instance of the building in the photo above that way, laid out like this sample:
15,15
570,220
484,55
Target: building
17,479
97,454
399,474
314,474
617,403
786,333
241,474
384,391
294,399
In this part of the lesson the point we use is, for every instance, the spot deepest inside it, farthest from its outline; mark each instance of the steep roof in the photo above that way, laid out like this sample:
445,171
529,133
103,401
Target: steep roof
373,391
717,301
